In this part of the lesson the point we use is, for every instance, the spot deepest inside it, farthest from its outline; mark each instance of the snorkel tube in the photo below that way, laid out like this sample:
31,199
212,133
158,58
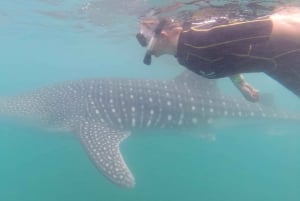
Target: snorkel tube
153,40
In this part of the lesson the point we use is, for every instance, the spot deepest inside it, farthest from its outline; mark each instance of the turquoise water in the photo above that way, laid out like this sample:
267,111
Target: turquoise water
49,41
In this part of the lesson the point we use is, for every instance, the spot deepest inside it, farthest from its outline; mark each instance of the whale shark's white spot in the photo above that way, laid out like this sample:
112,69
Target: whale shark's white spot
225,112
193,108
97,111
169,103
150,99
133,109
252,114
151,112
113,110
192,99
167,94
142,111
180,105
211,110
240,113
210,101
131,96
224,103
195,120
169,117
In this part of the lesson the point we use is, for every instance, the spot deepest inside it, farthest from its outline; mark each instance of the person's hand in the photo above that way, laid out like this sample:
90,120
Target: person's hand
249,92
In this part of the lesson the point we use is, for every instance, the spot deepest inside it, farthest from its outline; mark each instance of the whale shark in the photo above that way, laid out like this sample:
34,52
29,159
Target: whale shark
104,112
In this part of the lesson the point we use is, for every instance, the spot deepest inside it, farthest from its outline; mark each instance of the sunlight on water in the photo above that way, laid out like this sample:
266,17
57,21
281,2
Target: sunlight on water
48,41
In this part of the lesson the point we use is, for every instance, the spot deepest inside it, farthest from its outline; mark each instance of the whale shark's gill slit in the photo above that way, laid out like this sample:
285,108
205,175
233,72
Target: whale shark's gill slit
141,119
159,122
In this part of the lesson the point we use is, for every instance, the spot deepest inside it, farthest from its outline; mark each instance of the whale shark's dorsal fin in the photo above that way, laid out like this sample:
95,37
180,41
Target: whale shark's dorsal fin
196,82
102,145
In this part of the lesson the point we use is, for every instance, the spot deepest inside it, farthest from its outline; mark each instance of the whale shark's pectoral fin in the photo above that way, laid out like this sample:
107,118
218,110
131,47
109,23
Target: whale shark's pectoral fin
102,145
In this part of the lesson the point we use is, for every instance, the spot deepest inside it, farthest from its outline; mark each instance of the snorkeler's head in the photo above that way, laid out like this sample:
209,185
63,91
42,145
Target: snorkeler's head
150,30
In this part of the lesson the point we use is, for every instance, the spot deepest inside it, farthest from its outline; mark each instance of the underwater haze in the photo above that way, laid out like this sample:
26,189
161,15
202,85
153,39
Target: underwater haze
44,42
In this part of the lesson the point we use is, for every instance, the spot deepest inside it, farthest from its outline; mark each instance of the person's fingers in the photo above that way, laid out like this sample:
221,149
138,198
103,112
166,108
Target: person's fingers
250,93
254,95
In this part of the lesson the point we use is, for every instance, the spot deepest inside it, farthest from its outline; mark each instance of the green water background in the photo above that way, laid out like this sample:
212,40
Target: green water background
45,42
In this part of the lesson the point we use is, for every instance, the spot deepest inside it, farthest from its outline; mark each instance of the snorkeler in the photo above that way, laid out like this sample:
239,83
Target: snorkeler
223,47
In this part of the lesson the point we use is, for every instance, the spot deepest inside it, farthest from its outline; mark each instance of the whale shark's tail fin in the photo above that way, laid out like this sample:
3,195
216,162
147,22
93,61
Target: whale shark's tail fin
196,82
20,106
8,107
11,108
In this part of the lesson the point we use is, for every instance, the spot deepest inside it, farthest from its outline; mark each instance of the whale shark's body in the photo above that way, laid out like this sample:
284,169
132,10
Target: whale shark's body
103,112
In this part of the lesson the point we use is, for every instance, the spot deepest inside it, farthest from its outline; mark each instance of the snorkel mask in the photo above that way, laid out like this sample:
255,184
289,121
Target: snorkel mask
147,37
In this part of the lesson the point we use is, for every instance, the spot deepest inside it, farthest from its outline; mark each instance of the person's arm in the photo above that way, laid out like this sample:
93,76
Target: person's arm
249,92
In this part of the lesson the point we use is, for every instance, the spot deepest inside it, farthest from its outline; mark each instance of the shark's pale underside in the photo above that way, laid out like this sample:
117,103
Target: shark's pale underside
103,112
